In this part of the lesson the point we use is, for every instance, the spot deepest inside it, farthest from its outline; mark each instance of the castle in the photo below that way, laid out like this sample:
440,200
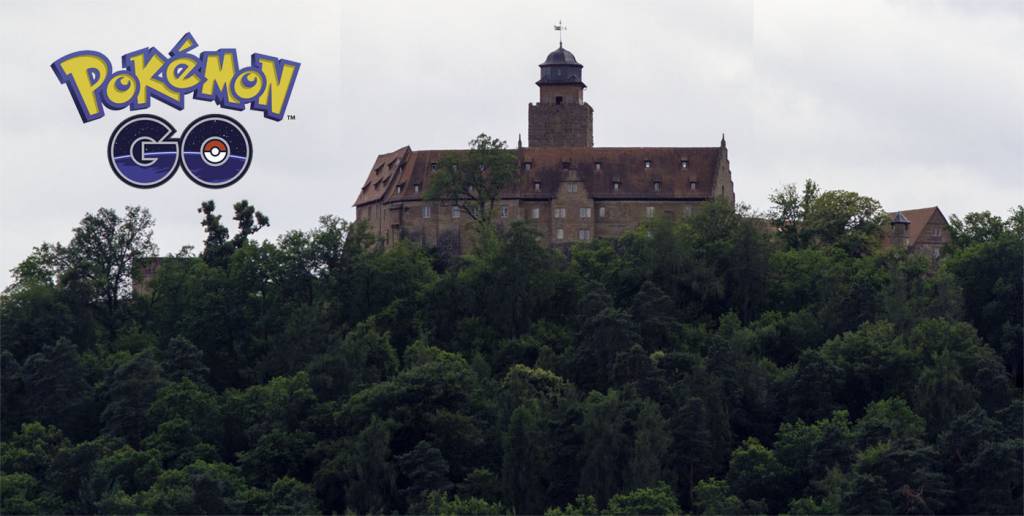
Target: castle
567,189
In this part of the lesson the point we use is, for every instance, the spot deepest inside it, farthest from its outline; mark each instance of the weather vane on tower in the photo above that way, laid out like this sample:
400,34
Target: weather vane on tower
560,27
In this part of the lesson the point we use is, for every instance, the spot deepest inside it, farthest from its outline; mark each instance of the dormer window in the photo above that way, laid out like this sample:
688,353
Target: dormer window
416,188
572,187
647,163
657,186
683,163
597,165
527,165
536,186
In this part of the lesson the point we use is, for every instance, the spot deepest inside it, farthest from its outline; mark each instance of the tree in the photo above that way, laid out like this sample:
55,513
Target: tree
57,390
474,179
131,389
183,360
526,459
657,499
372,474
789,212
426,471
712,496
755,473
217,247
848,220
606,445
651,443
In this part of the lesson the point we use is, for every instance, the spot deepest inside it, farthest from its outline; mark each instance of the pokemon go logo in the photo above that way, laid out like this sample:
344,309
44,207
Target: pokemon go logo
215,150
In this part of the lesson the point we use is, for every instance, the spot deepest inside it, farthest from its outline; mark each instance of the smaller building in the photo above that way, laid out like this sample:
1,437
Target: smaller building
924,231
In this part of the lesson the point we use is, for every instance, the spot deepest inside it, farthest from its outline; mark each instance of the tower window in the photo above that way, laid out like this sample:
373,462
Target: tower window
597,165
527,165
398,189
657,186
433,166
558,100
416,188
693,186
536,186
615,186
647,163
683,163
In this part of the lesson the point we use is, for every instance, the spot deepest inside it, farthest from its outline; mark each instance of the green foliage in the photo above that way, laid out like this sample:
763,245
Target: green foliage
645,500
473,180
703,365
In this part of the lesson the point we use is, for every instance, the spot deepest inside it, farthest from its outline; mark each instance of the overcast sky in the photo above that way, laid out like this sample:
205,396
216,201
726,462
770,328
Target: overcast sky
913,103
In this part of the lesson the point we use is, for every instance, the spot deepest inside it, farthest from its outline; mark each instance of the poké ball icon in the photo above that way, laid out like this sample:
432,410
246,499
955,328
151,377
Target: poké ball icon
215,151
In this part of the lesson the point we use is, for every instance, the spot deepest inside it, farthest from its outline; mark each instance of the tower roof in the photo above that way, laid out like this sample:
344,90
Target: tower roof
560,56
561,67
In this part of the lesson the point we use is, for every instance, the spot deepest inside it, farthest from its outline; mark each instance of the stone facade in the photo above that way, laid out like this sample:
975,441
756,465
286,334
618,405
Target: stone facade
567,189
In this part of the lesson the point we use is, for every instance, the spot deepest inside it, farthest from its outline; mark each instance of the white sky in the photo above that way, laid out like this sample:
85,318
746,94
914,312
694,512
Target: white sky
913,103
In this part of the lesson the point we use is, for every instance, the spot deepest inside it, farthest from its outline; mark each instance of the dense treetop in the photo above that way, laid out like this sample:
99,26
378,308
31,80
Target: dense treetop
712,364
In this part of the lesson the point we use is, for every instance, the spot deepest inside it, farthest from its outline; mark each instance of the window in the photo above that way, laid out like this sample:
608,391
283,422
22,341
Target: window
426,212
504,212
601,212
683,163
584,213
647,163
433,166
572,187
565,165
657,186
688,210
584,234
535,213
559,234
558,100
597,165
456,212
536,186
416,188
527,165
693,185
649,212
398,189
615,186
559,213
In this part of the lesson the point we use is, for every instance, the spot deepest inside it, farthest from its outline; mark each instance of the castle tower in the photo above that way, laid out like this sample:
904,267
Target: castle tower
900,236
561,118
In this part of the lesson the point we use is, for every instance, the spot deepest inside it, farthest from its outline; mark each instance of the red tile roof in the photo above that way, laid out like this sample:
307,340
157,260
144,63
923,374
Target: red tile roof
918,218
625,165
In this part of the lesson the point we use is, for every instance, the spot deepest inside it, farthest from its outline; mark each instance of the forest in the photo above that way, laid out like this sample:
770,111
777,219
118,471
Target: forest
718,364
